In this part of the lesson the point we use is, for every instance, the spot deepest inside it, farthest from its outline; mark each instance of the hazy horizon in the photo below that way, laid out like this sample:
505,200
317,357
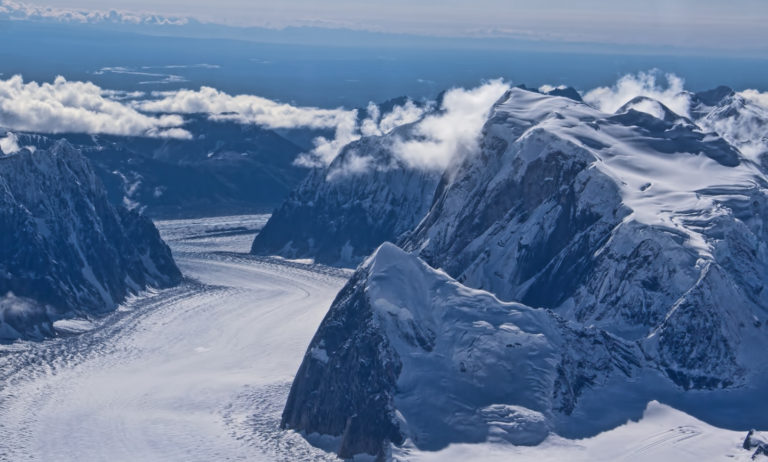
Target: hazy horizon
686,25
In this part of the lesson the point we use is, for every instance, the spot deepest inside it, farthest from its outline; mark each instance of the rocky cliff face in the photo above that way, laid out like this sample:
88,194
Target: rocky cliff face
64,249
341,213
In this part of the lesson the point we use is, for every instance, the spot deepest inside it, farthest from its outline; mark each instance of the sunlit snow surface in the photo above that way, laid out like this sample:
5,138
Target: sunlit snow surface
200,372
663,435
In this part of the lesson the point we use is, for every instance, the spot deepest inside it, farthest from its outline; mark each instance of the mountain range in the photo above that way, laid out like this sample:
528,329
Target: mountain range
577,256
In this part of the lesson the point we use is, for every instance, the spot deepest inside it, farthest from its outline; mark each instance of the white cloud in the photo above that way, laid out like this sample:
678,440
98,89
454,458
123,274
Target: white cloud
245,109
452,132
257,110
327,149
77,107
609,99
9,144
550,88
755,96
373,125
252,109
24,11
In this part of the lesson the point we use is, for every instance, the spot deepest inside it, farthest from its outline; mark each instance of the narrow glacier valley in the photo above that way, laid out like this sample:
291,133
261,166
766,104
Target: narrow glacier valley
197,372
201,372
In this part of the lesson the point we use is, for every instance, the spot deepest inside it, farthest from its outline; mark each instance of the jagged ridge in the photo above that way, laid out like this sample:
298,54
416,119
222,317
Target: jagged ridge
65,249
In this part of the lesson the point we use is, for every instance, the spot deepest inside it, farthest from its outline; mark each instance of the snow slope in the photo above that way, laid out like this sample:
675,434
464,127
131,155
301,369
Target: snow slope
663,434
408,360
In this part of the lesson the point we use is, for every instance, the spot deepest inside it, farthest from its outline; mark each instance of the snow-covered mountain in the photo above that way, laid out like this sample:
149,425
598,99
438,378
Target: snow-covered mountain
340,213
64,249
742,122
639,234
406,352
647,227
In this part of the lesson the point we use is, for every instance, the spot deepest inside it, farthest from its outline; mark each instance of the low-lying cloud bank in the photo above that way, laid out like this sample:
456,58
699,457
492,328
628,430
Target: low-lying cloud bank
436,138
244,109
25,11
77,107
252,109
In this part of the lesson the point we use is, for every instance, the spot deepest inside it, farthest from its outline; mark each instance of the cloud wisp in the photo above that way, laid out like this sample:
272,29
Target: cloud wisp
9,144
739,119
454,131
77,107
647,84
755,96
432,141
252,109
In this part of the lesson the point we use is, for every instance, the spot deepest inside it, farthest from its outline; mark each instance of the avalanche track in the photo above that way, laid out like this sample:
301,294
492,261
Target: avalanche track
199,372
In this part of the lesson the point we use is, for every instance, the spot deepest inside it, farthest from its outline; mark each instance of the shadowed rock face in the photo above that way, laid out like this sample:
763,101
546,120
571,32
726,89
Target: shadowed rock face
228,168
64,247
340,214
344,386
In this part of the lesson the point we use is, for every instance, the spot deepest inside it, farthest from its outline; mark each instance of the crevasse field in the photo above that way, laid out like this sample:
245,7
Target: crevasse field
201,372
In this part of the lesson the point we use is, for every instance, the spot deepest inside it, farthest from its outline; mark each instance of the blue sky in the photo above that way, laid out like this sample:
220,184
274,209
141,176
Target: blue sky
706,24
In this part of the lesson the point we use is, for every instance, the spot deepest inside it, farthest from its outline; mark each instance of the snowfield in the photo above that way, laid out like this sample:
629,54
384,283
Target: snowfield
201,372
663,435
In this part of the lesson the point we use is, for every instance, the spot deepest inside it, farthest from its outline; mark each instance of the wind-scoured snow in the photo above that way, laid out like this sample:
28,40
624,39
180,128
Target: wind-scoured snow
408,354
408,360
